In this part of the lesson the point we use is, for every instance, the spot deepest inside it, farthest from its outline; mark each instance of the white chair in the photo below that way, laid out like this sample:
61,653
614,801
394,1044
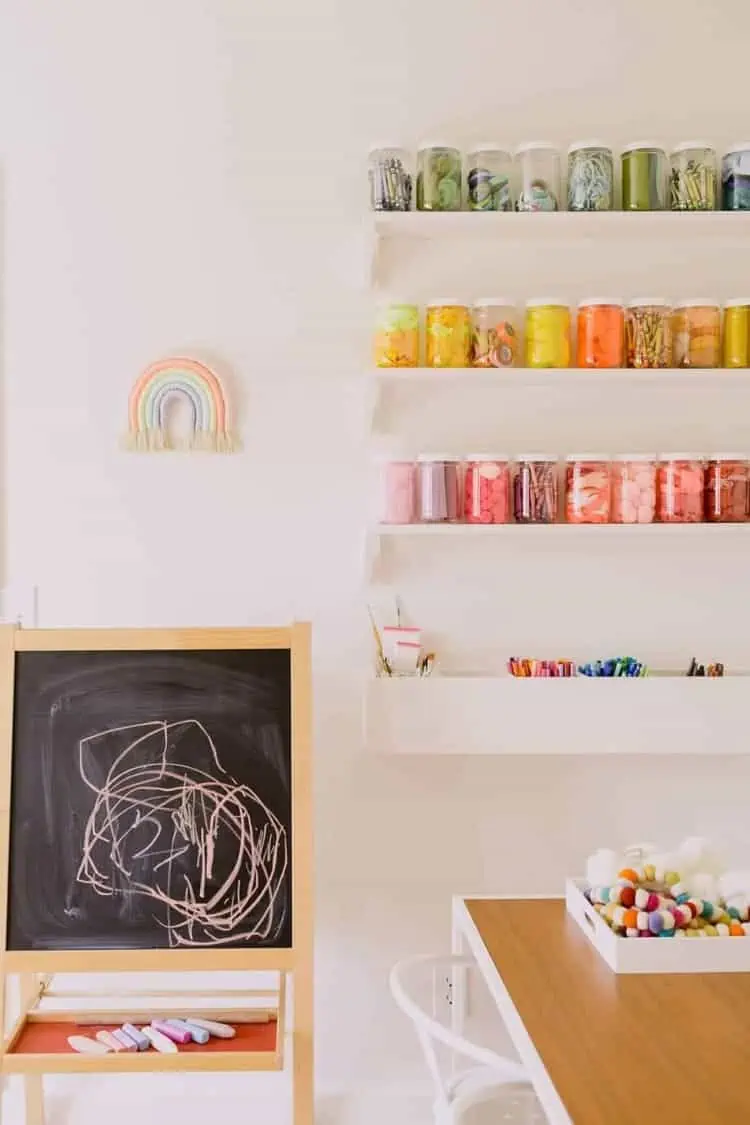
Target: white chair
490,1079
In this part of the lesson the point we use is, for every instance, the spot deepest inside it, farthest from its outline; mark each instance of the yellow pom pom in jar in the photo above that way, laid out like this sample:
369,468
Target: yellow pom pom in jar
448,334
547,333
397,336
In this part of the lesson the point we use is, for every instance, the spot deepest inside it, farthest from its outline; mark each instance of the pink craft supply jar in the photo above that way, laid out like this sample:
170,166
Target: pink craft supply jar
587,488
680,488
634,488
438,488
487,488
398,492
728,488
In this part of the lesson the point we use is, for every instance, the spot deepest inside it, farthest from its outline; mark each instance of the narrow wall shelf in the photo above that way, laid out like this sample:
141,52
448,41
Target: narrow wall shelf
582,716
511,377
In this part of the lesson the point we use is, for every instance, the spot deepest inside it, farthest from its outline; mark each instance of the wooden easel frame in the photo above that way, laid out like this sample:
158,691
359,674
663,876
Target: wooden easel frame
36,968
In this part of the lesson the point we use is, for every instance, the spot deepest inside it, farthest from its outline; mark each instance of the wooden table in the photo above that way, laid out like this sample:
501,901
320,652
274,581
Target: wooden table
603,1048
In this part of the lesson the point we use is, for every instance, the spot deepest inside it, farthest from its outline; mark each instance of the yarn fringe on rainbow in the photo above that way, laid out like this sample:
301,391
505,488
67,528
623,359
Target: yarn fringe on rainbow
156,389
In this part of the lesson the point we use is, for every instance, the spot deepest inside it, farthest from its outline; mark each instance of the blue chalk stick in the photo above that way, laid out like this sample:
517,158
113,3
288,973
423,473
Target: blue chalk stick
199,1034
141,1041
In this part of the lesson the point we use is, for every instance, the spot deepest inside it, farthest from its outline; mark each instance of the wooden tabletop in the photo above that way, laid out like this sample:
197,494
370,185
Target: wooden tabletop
620,1049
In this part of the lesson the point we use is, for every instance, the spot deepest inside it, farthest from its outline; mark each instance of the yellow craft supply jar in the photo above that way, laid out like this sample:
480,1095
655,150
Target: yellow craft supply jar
448,334
736,333
396,342
547,333
696,333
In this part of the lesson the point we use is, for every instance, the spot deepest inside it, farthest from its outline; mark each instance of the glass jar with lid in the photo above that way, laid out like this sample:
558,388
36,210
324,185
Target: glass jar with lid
633,488
495,335
693,177
547,333
539,176
438,488
591,177
645,178
728,488
735,178
736,333
680,488
601,333
587,488
391,176
696,333
648,333
535,488
396,342
487,488
489,171
448,333
398,490
439,177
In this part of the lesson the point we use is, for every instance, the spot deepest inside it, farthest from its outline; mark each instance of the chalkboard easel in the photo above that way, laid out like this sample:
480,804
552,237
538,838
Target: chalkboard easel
156,816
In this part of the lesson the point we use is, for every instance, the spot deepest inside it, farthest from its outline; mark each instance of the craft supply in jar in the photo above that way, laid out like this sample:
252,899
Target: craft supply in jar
645,178
587,488
591,177
495,338
547,333
398,492
438,498
735,178
448,334
736,333
439,177
696,334
397,336
487,488
680,488
488,179
535,488
727,488
601,333
648,333
693,177
391,179
539,165
633,488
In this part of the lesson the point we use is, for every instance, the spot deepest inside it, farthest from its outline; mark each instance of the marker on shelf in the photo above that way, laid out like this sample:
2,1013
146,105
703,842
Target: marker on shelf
220,1030
197,1034
141,1041
159,1042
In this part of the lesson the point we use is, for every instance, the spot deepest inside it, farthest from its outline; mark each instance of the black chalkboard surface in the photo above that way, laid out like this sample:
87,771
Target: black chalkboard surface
151,800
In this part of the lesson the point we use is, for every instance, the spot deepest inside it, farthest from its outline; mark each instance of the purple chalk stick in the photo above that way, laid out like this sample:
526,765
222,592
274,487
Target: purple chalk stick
176,1034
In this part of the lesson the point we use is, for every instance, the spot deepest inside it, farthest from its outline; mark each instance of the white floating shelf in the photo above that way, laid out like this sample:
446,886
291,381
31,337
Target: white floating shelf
718,531
505,715
513,377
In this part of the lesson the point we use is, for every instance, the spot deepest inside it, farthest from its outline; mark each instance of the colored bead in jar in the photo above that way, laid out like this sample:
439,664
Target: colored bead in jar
736,334
399,492
696,334
644,178
448,334
735,178
535,489
397,336
680,488
487,488
495,338
391,179
693,177
591,178
587,489
547,333
437,488
648,333
539,166
728,488
634,488
439,177
488,179
601,333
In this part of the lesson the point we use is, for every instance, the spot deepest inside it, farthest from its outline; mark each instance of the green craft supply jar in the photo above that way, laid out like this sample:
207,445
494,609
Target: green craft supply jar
439,177
591,177
645,178
693,177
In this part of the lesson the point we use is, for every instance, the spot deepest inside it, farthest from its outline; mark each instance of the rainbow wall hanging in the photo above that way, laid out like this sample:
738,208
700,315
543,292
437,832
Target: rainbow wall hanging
155,392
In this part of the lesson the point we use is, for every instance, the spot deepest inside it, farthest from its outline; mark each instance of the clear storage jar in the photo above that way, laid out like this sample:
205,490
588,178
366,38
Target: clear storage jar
727,488
487,488
696,334
448,334
736,333
489,171
633,488
539,177
439,177
535,488
587,488
648,333
680,488
591,177
547,333
601,333
735,178
398,491
396,342
645,178
693,178
391,175
495,336
438,488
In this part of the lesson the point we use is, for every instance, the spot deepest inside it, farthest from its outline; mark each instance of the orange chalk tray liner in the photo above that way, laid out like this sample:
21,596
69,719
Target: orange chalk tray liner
47,1038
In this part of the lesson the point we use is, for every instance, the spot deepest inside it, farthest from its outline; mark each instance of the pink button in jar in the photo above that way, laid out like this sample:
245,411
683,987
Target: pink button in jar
634,488
587,488
487,488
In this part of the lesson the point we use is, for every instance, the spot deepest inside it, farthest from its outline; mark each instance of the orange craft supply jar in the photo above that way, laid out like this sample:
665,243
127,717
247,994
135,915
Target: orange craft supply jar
696,334
601,333
587,488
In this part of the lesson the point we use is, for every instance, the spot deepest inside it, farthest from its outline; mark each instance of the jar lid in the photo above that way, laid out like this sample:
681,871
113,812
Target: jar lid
687,146
481,302
487,146
648,146
541,302
436,144
487,457
697,303
682,456
635,457
529,146
588,457
576,145
637,302
451,457
446,302
739,146
615,301
737,303
729,456
536,457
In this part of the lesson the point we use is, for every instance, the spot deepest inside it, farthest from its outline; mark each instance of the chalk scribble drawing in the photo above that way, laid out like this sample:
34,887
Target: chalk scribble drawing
201,845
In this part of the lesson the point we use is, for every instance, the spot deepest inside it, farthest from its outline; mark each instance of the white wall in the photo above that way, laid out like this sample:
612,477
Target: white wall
186,175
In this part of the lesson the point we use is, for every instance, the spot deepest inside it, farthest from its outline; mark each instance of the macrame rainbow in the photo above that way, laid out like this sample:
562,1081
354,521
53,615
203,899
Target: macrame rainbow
192,381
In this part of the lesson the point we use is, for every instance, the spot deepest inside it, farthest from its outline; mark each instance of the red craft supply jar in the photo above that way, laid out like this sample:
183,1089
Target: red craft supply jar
487,488
728,488
601,333
680,488
634,488
587,488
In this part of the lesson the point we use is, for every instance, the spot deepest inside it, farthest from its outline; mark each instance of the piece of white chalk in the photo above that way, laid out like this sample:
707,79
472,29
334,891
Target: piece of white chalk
160,1042
220,1030
86,1046
108,1039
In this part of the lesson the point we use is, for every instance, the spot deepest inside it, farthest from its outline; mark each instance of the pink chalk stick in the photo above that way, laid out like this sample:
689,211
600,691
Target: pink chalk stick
176,1034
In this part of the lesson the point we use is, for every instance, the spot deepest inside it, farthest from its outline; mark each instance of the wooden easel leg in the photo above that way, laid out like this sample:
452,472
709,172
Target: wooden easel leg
302,1049
33,1083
